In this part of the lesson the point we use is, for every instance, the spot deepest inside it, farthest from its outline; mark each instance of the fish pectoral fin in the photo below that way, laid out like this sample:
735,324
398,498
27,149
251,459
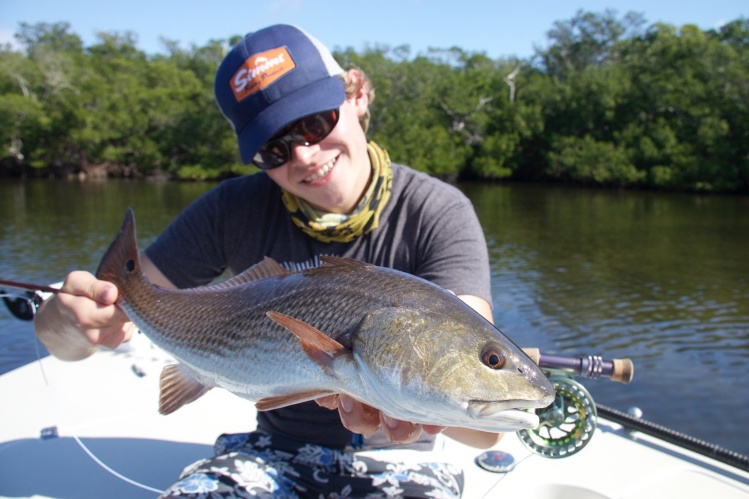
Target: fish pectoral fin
320,347
270,403
177,388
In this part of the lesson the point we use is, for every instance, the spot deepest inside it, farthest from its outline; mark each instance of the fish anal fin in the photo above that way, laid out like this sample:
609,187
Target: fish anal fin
317,345
270,403
177,388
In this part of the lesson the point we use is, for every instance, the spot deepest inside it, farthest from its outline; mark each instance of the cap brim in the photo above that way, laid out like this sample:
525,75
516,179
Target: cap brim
316,97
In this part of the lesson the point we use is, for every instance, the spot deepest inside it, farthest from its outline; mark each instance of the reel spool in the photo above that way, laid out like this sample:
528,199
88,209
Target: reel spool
566,426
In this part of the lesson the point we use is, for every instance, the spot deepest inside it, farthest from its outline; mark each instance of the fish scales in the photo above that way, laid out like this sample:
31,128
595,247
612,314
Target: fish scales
389,339
231,323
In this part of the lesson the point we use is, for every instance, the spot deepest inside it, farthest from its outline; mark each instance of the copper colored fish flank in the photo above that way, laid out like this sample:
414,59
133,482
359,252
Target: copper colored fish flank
276,337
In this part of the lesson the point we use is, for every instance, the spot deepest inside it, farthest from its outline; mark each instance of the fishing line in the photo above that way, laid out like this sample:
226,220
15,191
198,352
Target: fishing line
504,475
61,415
440,446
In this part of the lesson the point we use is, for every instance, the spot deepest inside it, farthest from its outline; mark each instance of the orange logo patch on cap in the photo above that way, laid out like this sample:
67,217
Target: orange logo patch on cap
259,71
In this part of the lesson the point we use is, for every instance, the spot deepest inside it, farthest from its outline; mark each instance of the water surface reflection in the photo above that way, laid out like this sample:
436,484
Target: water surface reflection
660,278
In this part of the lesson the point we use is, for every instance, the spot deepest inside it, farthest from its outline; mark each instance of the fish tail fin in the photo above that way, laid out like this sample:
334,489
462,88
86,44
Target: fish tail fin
122,256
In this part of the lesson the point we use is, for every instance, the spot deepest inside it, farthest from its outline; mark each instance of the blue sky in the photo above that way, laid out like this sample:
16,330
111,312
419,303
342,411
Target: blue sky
499,28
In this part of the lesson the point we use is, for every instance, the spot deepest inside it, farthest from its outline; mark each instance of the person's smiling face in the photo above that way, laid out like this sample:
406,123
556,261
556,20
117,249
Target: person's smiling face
333,174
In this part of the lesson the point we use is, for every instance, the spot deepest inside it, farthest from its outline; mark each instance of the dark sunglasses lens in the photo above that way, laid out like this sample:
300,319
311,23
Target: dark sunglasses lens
272,155
308,131
313,129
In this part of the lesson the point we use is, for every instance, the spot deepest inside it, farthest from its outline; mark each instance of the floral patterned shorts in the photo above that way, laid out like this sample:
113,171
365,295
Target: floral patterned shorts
259,465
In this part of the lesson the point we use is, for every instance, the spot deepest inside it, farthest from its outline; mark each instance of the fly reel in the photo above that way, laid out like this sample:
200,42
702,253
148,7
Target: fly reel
565,426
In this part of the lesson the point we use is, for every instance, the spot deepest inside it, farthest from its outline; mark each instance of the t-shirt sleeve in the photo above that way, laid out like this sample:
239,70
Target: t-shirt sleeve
189,252
454,252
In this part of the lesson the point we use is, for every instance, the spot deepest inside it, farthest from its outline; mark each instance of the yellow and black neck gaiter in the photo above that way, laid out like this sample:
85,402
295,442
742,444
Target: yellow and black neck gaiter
344,228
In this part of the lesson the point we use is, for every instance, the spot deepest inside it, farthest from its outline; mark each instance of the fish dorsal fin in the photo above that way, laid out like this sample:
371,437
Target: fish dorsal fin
267,268
339,263
177,388
317,345
270,403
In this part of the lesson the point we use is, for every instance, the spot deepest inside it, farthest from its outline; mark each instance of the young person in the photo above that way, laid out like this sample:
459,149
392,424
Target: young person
323,190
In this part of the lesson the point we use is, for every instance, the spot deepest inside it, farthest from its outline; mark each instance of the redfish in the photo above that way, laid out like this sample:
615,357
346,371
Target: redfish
389,339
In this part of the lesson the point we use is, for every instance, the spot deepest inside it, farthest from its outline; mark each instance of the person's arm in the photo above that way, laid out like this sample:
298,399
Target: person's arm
479,305
82,316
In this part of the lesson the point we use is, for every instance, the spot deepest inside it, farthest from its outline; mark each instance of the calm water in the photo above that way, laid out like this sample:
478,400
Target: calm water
660,278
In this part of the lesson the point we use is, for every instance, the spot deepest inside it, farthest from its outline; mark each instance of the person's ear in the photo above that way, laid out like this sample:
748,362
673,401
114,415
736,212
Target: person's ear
361,98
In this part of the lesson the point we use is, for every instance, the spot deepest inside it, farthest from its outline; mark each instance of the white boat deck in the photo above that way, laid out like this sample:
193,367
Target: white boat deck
114,412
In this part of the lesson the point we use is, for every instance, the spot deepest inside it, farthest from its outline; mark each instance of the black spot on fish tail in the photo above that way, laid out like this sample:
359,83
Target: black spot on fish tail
122,256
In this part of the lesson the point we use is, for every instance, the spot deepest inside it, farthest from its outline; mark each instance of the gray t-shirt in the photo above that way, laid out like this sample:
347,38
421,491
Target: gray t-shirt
428,228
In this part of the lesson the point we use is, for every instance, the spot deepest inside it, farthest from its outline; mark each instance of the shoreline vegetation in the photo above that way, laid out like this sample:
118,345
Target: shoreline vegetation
612,101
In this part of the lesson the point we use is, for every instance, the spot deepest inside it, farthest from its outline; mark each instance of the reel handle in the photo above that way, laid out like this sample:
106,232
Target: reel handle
591,366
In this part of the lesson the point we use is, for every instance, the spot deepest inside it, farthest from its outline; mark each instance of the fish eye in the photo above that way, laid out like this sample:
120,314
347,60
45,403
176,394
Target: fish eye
130,265
493,358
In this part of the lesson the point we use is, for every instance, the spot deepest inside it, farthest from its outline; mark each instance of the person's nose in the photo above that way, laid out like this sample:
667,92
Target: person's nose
303,154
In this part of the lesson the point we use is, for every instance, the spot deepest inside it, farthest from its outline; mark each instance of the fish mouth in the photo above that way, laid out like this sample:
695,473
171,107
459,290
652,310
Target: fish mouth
504,415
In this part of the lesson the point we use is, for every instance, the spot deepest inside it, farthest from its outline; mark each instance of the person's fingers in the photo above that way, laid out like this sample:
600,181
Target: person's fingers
329,401
362,418
85,284
433,429
89,314
88,305
358,417
112,337
401,432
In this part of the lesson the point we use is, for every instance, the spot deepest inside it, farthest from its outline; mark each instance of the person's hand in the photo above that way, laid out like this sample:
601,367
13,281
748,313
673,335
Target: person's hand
81,317
361,418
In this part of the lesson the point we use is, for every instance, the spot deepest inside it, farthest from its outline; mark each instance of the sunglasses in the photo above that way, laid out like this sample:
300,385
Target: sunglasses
306,131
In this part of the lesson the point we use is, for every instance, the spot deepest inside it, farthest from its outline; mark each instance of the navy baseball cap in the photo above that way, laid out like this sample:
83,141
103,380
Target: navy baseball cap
274,77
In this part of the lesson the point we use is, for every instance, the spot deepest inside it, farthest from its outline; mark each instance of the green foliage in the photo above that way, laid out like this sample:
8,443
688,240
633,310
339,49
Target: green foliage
588,39
586,160
610,101
110,107
200,173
